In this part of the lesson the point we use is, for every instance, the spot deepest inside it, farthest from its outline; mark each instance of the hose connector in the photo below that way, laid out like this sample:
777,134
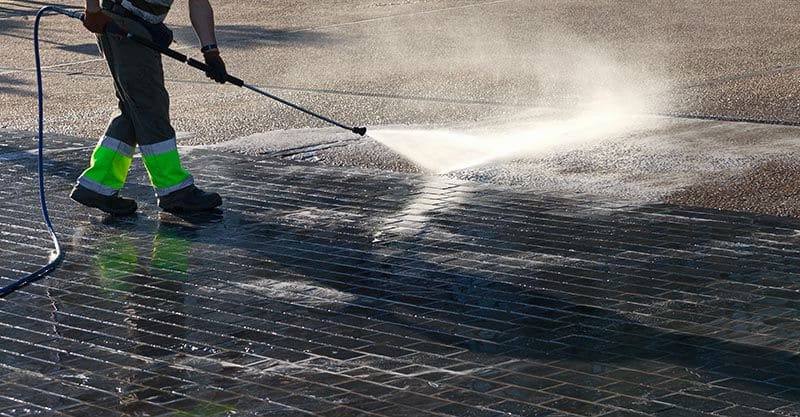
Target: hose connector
73,14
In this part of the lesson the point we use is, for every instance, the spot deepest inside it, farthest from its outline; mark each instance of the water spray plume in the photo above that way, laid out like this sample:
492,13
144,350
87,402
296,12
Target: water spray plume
478,66
435,150
445,150
597,99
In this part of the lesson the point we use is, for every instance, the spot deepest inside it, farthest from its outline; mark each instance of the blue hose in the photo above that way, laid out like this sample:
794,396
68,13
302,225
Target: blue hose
57,255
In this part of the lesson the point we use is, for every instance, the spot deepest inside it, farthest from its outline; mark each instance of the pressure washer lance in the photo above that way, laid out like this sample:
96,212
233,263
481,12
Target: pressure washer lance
231,79
235,81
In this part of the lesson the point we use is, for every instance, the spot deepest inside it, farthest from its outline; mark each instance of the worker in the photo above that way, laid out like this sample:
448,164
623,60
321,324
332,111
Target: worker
143,115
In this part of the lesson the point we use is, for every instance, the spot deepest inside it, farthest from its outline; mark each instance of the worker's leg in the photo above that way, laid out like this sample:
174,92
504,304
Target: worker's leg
100,184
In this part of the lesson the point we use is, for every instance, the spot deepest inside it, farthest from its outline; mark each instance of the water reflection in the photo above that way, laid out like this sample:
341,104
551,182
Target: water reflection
437,274
150,282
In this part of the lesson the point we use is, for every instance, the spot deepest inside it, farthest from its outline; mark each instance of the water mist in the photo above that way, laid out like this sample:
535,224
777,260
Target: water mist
583,94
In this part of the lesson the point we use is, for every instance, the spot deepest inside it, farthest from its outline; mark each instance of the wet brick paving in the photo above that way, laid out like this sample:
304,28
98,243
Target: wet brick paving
329,292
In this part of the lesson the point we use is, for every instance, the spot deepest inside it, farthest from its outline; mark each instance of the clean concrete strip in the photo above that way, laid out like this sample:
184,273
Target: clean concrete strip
754,74
643,164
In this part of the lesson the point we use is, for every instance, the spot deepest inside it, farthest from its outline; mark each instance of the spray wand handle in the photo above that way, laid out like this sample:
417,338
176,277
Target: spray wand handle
233,80
176,55
202,66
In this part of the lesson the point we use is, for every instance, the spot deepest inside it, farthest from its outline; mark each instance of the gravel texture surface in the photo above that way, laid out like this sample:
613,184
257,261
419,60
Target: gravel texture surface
772,187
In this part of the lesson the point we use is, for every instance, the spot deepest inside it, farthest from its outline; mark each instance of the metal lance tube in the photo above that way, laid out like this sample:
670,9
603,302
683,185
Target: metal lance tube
237,81
114,30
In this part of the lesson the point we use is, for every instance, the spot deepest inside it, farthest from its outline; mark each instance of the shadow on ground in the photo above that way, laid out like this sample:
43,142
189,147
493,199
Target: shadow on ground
14,8
248,36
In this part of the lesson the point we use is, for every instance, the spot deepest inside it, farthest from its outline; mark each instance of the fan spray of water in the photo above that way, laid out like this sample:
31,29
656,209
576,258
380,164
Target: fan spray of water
583,92
531,133
579,92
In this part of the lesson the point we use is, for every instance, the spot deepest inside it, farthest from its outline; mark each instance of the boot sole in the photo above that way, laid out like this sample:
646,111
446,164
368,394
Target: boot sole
190,210
113,212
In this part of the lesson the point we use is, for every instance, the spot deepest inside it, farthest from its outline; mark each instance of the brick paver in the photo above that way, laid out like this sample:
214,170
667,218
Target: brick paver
330,292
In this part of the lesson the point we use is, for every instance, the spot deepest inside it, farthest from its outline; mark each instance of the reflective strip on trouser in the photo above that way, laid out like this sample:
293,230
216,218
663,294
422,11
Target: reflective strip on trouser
144,106
170,253
111,160
116,264
164,167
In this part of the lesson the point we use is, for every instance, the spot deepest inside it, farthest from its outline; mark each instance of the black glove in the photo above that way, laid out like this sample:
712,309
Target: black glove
216,66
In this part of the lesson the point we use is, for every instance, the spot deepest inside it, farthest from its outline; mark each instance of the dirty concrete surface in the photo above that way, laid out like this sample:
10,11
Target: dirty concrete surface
380,63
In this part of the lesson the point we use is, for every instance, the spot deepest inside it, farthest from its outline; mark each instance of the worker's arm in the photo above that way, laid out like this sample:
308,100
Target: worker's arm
202,16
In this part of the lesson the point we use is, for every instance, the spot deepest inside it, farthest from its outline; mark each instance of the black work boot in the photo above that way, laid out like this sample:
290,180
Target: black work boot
189,199
112,204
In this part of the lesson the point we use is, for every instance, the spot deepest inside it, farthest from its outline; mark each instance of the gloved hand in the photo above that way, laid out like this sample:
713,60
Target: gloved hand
96,22
217,66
